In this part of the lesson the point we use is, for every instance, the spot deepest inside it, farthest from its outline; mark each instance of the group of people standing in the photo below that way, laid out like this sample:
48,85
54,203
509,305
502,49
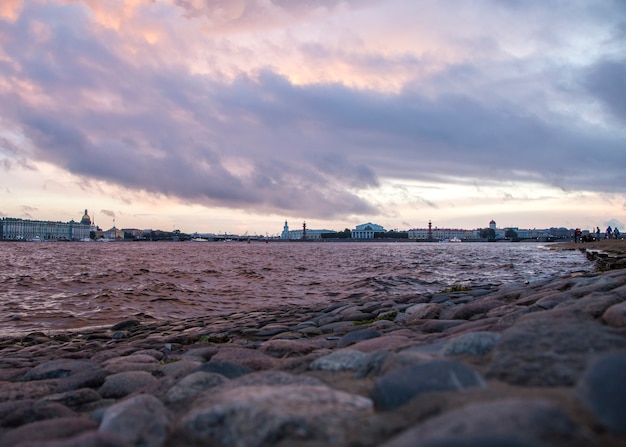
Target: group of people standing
610,233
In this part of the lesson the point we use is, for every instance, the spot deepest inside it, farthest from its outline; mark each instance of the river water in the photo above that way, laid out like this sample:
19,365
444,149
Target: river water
49,286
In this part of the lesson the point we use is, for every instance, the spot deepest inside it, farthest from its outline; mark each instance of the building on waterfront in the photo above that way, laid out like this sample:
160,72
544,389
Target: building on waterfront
499,233
366,231
540,235
525,234
442,234
86,220
112,234
15,229
302,233
490,232
285,233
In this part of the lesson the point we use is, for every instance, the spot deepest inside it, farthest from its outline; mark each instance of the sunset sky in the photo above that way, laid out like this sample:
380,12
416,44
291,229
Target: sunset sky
236,115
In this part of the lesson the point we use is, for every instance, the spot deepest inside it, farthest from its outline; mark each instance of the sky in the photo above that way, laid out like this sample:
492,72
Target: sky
236,115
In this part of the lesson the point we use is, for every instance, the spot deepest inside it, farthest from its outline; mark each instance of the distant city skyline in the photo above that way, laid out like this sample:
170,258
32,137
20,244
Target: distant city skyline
232,116
87,219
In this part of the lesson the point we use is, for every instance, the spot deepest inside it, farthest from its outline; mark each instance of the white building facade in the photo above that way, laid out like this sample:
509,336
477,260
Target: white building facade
300,234
32,230
366,231
442,234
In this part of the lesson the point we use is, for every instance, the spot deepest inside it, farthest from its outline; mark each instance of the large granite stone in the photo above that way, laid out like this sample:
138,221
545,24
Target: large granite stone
550,348
256,416
140,420
531,421
400,386
603,389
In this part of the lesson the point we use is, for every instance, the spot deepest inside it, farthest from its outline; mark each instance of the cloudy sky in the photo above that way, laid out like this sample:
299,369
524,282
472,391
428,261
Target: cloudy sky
234,115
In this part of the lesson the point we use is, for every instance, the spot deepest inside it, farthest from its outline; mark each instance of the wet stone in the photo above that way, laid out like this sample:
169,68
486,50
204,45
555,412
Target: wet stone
528,420
140,420
27,390
86,439
74,398
550,349
120,335
132,363
271,330
227,369
342,360
21,414
433,326
338,327
357,316
192,385
287,348
264,415
400,386
473,343
423,311
303,325
357,336
594,304
615,315
205,353
476,441
180,368
253,359
472,309
602,388
46,430
86,379
10,412
122,384
125,325
158,355
12,373
385,342
271,378
56,369
324,320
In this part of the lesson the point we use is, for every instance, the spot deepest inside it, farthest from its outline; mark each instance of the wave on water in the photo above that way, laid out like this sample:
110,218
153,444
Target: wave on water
54,286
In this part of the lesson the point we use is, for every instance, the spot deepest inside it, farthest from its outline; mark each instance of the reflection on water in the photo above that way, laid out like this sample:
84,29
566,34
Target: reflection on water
70,285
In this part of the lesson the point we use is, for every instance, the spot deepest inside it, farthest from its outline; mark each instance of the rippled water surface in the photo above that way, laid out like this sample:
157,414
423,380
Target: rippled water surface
48,286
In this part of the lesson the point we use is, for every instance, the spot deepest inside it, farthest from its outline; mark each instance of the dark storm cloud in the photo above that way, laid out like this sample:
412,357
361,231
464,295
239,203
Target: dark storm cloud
143,146
606,80
262,143
8,147
411,136
15,158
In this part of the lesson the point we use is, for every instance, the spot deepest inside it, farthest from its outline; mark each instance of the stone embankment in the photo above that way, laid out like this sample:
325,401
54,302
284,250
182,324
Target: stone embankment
607,254
538,364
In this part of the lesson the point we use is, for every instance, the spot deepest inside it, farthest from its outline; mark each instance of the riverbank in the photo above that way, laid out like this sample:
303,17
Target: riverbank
607,254
539,364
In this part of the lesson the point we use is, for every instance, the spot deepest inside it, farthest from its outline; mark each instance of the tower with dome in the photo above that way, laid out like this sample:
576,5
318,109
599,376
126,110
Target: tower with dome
86,220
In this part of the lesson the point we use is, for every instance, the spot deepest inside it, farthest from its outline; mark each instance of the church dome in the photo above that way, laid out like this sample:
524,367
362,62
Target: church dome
86,220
